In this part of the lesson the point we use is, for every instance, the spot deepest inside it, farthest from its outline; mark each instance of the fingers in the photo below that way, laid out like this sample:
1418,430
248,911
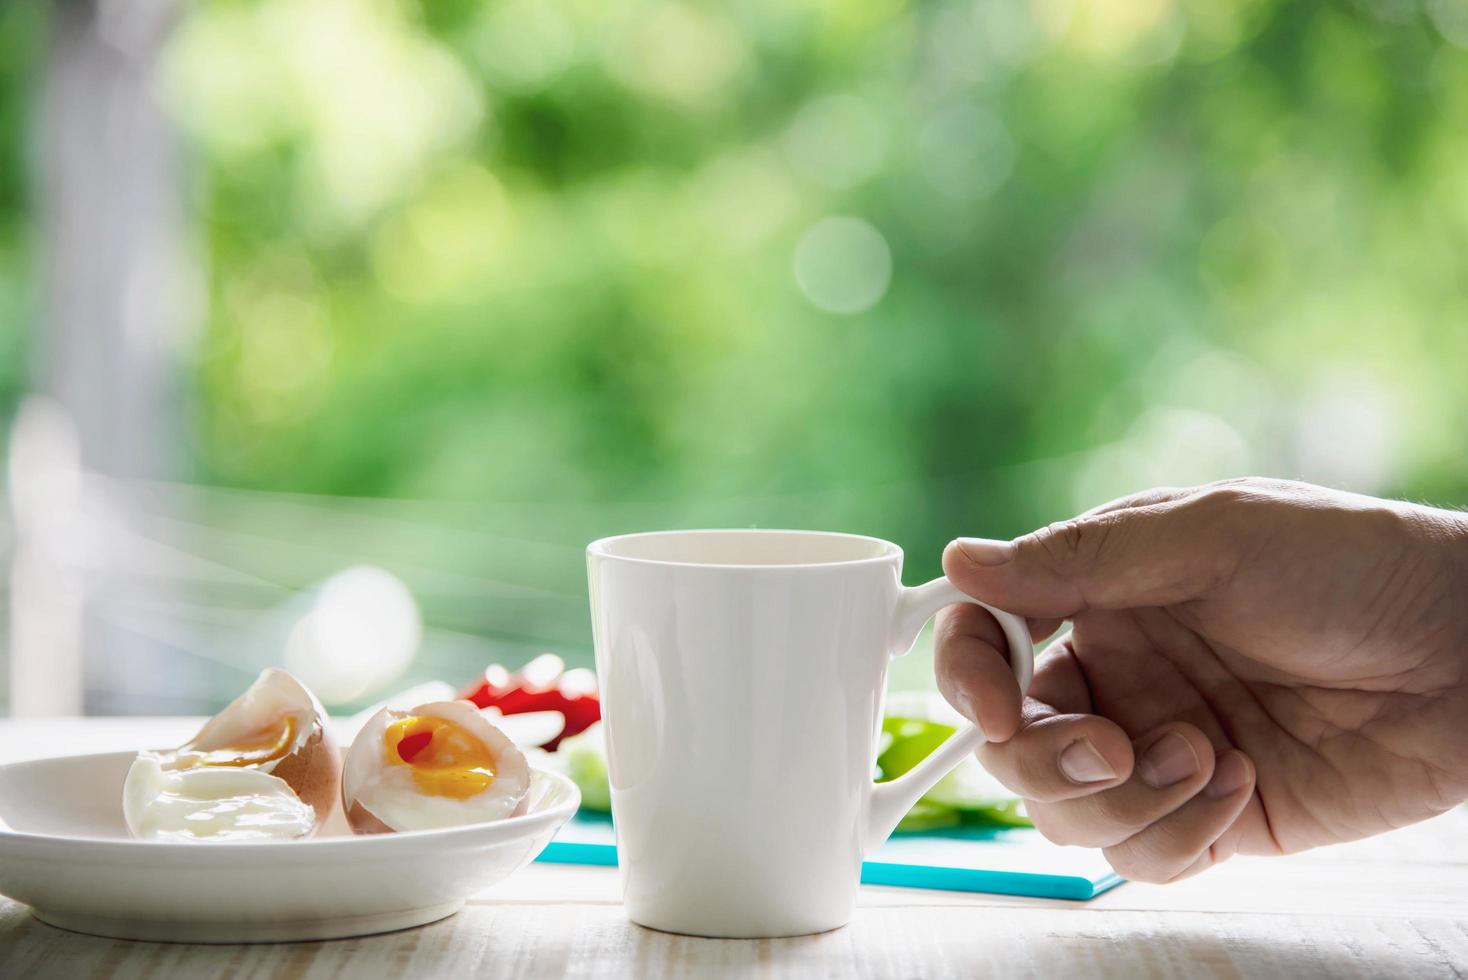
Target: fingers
1195,836
1161,806
975,677
1060,682
1174,762
1169,819
972,672
1149,555
1060,757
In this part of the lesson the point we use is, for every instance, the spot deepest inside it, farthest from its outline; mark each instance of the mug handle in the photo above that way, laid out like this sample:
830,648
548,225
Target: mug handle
891,800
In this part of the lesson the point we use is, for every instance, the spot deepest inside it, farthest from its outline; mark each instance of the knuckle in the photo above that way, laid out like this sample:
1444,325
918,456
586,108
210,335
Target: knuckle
1059,541
1042,781
1009,763
1034,771
998,758
1065,542
1213,499
1240,492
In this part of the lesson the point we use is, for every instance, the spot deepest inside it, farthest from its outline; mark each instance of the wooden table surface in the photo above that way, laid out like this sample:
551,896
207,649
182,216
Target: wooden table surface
1396,905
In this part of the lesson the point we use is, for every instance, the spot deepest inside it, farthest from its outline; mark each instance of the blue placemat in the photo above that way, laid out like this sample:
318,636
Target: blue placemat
973,859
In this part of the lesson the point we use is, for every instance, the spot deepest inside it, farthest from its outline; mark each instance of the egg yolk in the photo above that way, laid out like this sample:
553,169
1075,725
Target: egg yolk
266,745
446,759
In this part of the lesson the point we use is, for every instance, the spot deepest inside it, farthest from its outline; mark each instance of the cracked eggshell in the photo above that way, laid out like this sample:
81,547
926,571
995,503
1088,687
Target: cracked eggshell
379,797
312,765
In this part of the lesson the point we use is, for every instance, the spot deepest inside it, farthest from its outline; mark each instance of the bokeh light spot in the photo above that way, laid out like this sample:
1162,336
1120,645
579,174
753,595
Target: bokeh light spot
843,265
1347,431
523,45
1450,17
360,633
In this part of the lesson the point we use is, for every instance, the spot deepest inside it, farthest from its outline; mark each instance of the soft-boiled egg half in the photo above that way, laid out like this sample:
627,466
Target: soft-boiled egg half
264,768
436,765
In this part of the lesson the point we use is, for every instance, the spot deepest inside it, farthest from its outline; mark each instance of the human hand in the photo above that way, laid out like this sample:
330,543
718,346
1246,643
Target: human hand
1255,667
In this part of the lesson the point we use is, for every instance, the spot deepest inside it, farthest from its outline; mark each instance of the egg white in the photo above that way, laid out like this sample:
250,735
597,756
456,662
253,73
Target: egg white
211,803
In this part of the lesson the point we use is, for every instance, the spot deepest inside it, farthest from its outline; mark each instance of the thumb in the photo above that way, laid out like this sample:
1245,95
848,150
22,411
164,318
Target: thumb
1143,556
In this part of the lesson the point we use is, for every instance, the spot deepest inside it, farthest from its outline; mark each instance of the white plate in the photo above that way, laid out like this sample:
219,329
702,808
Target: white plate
65,851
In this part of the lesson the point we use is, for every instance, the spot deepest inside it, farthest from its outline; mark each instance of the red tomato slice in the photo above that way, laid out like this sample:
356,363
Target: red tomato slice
572,693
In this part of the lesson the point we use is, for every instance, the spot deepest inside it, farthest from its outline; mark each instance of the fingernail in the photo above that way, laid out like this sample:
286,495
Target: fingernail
1081,763
1170,760
986,551
1229,776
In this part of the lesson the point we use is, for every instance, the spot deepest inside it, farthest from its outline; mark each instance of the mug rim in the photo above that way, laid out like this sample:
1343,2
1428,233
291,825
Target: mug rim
601,548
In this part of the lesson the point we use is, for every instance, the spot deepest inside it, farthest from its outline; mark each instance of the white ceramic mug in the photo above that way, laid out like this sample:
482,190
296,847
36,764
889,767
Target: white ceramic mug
742,677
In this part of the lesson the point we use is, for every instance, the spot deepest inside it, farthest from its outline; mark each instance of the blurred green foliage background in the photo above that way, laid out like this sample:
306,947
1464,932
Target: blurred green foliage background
550,253
552,269
20,52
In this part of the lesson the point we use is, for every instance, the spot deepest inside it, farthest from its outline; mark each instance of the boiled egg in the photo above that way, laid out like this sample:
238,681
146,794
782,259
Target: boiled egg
437,765
218,803
264,767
